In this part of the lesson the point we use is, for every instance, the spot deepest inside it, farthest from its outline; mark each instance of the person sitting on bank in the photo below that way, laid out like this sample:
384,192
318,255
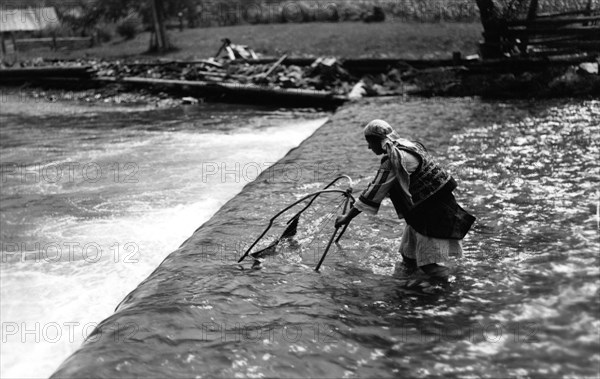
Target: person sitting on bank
421,192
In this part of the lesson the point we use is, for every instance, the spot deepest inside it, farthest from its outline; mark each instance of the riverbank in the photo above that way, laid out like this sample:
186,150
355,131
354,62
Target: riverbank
303,82
201,313
323,67
240,83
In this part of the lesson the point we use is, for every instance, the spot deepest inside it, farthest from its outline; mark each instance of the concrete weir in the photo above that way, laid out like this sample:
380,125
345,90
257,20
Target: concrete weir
158,330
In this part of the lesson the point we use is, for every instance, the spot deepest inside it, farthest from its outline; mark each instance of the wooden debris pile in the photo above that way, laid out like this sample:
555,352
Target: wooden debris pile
324,74
327,80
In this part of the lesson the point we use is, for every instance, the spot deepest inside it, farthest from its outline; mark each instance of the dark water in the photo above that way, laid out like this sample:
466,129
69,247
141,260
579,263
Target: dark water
522,302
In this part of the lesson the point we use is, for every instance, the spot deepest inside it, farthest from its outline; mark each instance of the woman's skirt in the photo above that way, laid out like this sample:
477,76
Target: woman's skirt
426,250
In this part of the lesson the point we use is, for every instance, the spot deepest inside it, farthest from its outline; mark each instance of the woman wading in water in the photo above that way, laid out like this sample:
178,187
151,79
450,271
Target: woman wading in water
421,192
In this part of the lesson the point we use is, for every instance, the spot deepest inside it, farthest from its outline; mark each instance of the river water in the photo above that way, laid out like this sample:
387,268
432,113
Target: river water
522,302
94,198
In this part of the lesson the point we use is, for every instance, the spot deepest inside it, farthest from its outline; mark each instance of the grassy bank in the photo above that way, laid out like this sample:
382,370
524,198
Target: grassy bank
349,39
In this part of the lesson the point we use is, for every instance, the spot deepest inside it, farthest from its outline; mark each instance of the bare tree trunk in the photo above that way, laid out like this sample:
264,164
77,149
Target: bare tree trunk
491,48
487,10
533,8
162,40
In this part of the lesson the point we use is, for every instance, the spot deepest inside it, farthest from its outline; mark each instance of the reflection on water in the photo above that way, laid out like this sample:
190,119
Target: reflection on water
523,302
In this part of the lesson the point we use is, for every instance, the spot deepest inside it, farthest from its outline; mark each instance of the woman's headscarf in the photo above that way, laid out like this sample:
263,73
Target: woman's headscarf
383,130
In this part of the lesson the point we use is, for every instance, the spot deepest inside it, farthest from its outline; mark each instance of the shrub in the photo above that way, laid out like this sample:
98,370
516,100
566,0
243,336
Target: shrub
351,12
129,26
104,32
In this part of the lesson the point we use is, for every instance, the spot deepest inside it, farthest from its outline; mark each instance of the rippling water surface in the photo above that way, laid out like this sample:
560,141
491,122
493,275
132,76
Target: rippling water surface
522,302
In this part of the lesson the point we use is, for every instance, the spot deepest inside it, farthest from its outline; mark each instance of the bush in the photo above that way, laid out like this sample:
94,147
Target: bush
351,12
105,32
129,26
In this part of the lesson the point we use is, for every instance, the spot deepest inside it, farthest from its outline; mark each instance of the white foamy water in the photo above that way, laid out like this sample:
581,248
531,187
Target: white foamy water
88,214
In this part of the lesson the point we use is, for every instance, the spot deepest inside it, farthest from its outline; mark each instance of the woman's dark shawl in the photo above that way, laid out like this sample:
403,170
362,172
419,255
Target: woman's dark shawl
438,216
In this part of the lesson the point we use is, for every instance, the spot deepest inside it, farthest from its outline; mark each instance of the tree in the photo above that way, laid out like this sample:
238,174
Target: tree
491,29
159,41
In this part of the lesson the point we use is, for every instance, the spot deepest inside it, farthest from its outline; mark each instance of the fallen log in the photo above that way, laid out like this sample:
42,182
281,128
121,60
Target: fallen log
220,75
162,62
247,93
296,61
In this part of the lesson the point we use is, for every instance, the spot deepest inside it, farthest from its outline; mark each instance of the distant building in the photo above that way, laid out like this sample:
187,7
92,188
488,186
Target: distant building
15,19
